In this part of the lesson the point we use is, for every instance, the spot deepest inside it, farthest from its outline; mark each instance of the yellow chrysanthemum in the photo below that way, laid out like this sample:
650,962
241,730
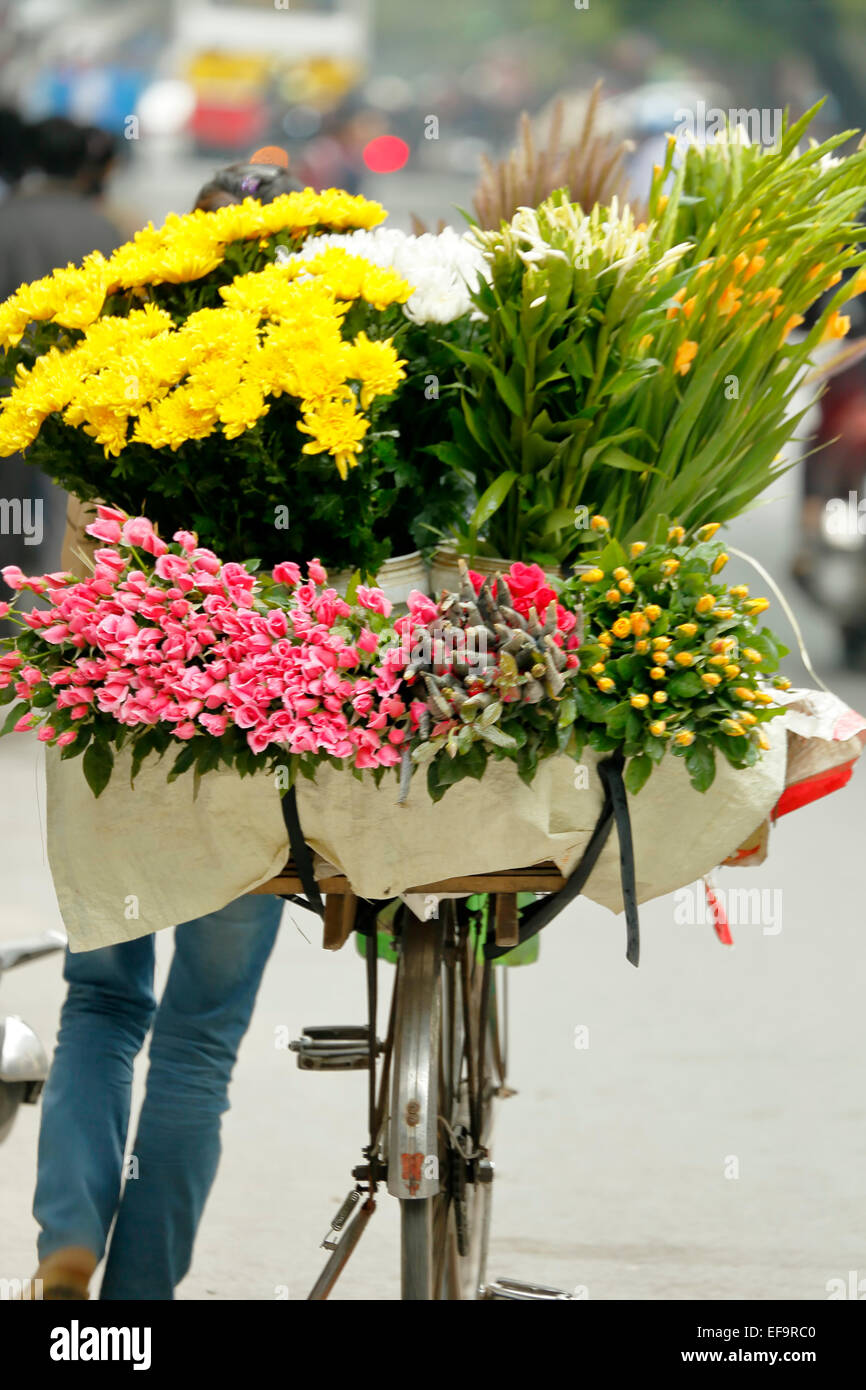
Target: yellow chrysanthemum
377,367
335,427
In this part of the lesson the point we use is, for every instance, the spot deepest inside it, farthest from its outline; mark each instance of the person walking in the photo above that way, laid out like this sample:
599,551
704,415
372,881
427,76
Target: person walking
197,1028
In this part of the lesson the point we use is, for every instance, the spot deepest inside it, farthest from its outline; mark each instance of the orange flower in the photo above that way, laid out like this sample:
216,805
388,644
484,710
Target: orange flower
740,262
686,354
793,322
729,301
857,283
755,264
675,308
814,270
836,327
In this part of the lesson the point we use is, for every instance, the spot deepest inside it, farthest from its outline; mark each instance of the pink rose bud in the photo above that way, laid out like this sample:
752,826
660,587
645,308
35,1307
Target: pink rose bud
104,531
13,576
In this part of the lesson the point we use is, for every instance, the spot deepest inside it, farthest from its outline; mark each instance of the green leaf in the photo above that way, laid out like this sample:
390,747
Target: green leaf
590,705
558,520
682,687
612,556
435,789
567,712
655,747
12,718
508,391
618,458
701,763
634,727
636,773
182,763
497,737
97,766
581,362
352,587
491,500
617,716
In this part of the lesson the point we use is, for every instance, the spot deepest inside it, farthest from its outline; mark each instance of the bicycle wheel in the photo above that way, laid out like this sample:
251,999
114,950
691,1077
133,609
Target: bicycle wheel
441,1108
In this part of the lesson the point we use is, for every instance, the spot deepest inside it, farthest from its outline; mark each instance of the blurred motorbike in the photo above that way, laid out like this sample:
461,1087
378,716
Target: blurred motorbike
830,563
23,1059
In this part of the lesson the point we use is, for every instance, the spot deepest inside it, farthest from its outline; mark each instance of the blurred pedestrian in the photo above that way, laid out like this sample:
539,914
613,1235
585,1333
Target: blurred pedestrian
49,217
11,149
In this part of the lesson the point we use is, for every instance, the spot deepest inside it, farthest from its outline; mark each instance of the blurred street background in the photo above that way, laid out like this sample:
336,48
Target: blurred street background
614,1161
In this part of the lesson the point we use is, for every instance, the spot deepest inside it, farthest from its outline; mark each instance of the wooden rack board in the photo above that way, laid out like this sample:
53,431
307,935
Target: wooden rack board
341,903
540,878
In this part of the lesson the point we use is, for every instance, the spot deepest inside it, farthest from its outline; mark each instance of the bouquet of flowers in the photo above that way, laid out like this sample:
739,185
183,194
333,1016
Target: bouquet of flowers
206,367
166,644
672,658
643,370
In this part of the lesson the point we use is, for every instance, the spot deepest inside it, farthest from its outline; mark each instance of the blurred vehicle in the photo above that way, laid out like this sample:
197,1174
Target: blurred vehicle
23,1060
266,71
87,60
830,563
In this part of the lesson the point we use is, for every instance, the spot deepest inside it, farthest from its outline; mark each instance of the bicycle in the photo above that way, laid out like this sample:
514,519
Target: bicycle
433,1080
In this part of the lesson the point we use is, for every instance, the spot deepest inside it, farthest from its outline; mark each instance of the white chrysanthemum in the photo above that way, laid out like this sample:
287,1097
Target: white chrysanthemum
443,268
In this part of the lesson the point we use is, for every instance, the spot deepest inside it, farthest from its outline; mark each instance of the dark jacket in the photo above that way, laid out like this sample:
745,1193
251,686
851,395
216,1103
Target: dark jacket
42,229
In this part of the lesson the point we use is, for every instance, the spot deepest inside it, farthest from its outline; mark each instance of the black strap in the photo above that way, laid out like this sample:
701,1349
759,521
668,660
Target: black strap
614,810
300,852
610,772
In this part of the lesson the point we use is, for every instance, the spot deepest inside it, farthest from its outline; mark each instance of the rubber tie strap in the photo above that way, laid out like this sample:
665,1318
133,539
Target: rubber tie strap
540,913
610,772
300,852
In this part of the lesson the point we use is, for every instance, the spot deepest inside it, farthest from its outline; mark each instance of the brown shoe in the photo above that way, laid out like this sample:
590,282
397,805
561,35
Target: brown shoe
66,1273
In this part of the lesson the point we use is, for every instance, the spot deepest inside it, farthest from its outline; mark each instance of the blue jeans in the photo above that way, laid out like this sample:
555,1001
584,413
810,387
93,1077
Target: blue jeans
197,1028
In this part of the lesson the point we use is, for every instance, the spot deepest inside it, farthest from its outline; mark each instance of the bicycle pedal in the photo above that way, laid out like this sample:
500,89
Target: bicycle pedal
501,1289
334,1047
